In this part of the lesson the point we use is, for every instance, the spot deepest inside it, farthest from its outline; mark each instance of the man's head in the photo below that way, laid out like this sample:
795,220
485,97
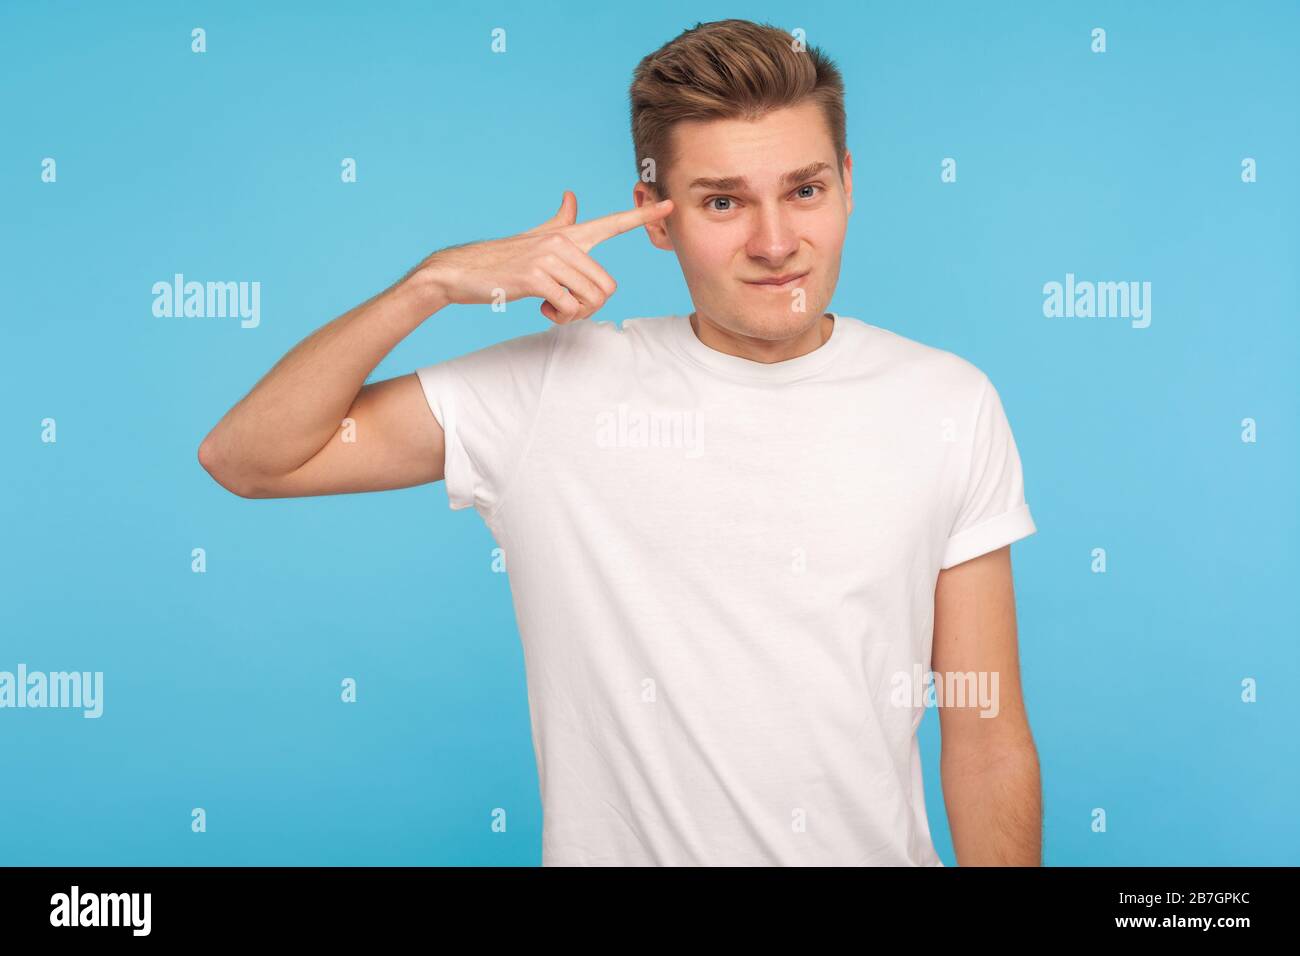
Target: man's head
745,132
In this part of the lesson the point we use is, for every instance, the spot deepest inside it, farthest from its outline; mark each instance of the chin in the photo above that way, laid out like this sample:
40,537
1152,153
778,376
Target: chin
773,322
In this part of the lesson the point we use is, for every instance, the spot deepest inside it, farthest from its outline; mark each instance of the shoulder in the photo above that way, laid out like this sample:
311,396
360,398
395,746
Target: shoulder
601,340
603,331
939,371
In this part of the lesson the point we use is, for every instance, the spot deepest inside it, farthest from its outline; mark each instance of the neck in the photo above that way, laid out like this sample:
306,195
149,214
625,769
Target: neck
766,351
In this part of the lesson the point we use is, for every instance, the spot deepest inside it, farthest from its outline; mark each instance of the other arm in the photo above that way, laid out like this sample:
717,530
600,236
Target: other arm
989,765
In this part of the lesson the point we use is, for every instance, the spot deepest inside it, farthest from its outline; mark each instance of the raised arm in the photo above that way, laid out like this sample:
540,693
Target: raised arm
309,427
312,427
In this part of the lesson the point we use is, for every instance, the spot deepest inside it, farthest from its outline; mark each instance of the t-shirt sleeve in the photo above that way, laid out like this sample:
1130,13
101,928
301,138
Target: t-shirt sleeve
487,403
992,511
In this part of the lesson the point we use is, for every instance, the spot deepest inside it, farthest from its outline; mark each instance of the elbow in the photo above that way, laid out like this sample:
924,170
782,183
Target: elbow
211,462
981,754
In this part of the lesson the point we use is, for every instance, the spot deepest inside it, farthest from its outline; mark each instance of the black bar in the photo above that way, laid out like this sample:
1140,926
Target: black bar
245,904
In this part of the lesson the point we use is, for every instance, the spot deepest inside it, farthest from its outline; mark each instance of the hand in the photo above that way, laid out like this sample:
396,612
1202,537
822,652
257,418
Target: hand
549,261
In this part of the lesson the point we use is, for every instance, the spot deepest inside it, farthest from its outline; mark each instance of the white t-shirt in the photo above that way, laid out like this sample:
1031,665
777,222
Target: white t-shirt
719,569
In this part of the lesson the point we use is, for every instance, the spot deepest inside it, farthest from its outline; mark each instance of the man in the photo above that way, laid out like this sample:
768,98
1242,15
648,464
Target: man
734,538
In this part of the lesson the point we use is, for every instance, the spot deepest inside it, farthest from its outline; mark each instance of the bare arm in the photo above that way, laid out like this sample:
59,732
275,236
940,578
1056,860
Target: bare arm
288,436
989,765
309,427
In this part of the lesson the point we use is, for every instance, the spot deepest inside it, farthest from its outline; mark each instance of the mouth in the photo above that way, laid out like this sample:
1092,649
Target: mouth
779,283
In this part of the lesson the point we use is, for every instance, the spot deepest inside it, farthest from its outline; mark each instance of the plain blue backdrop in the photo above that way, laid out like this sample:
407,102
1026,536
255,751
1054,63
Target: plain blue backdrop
222,688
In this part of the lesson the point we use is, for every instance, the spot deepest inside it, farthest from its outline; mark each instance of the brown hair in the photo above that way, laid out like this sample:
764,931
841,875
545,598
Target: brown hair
727,69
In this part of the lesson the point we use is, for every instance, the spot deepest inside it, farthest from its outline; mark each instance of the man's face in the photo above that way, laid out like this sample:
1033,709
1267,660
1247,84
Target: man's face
730,234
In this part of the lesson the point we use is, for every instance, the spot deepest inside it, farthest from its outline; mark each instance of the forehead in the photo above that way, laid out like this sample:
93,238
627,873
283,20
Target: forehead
761,150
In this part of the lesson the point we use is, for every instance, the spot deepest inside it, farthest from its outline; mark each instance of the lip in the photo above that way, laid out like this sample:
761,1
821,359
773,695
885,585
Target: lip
779,282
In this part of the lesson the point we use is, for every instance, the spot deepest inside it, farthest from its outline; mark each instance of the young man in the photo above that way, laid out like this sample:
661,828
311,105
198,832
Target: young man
735,539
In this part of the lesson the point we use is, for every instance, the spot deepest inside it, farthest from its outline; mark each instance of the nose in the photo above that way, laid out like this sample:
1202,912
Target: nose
773,238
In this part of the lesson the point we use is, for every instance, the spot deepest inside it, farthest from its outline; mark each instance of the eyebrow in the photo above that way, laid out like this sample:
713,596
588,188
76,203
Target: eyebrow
740,182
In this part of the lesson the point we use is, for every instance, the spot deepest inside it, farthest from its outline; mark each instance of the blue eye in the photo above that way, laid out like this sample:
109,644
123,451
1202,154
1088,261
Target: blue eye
727,199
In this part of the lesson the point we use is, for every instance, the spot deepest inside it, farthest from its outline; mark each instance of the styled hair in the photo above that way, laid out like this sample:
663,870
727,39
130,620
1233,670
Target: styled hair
727,69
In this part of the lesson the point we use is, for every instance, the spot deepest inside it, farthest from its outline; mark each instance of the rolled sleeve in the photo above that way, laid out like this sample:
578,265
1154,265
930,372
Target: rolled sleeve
487,403
993,511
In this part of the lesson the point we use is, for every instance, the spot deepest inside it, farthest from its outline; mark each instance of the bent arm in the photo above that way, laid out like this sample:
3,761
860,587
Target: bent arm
988,764
312,427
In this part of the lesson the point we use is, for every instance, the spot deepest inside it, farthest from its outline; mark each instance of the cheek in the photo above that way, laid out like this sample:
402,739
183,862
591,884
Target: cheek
703,250
827,231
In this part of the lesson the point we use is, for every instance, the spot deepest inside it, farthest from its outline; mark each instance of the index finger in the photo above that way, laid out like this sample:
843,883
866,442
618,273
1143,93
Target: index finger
588,234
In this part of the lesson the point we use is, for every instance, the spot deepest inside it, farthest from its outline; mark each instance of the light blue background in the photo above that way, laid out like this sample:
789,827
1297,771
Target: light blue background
222,689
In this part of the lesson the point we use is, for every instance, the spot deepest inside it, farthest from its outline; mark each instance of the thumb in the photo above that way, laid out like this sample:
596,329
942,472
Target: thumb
567,214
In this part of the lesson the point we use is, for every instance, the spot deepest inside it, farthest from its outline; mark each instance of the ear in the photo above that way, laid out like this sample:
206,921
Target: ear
657,231
848,179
